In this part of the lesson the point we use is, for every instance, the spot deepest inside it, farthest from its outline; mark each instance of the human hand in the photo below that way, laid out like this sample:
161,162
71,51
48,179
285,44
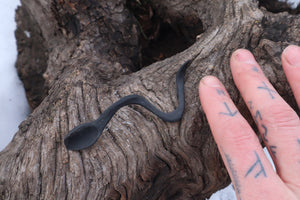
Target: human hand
251,173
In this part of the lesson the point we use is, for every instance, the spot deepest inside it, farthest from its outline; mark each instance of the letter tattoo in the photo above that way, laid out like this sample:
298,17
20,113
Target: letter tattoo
255,69
273,150
265,133
250,105
260,165
235,180
229,112
257,115
270,91
220,92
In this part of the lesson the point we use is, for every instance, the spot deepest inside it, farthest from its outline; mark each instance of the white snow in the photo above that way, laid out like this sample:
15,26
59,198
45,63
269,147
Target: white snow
292,3
27,33
227,193
13,104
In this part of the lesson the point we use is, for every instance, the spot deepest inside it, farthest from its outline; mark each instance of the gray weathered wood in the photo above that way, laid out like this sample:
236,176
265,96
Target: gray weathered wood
89,49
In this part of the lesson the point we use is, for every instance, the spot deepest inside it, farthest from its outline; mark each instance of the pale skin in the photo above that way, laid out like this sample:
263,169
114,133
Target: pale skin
251,173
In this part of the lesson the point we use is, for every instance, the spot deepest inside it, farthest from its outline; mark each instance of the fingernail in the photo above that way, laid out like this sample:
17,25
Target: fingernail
244,56
210,81
292,55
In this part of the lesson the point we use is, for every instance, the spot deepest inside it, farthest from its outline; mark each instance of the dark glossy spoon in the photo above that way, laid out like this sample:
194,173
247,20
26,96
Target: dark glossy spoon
85,135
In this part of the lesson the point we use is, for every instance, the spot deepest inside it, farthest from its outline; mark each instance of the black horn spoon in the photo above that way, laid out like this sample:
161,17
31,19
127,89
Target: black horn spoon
85,135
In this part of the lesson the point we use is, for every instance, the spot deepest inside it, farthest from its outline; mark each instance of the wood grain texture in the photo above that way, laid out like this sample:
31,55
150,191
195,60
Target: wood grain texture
92,47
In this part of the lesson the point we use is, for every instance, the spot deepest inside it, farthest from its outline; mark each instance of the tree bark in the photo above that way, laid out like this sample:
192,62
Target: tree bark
86,55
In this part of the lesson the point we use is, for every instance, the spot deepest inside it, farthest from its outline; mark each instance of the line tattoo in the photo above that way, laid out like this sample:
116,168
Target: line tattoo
229,113
273,150
255,69
235,180
250,105
258,164
257,115
220,92
257,118
265,133
270,91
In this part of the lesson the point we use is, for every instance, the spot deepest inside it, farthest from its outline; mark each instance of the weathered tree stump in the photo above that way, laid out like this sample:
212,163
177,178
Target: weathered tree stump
81,56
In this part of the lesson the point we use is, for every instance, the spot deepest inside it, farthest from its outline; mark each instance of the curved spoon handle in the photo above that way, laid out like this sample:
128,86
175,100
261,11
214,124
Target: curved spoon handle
85,135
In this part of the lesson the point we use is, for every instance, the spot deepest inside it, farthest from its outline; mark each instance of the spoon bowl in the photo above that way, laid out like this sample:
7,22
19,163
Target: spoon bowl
81,136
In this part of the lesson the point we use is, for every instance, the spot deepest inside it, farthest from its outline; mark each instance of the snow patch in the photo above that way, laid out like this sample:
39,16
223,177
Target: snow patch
13,104
27,33
292,3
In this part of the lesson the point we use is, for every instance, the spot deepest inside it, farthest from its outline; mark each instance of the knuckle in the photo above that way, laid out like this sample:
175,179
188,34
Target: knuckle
283,117
239,135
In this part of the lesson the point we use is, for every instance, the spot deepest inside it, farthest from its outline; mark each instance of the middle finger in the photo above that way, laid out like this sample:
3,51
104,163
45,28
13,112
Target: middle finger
277,122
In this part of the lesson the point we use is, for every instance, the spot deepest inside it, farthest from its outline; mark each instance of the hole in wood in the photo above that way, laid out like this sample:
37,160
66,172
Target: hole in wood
161,38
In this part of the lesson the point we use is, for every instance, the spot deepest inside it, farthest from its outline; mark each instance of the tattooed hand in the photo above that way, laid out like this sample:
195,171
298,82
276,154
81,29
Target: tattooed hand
279,125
